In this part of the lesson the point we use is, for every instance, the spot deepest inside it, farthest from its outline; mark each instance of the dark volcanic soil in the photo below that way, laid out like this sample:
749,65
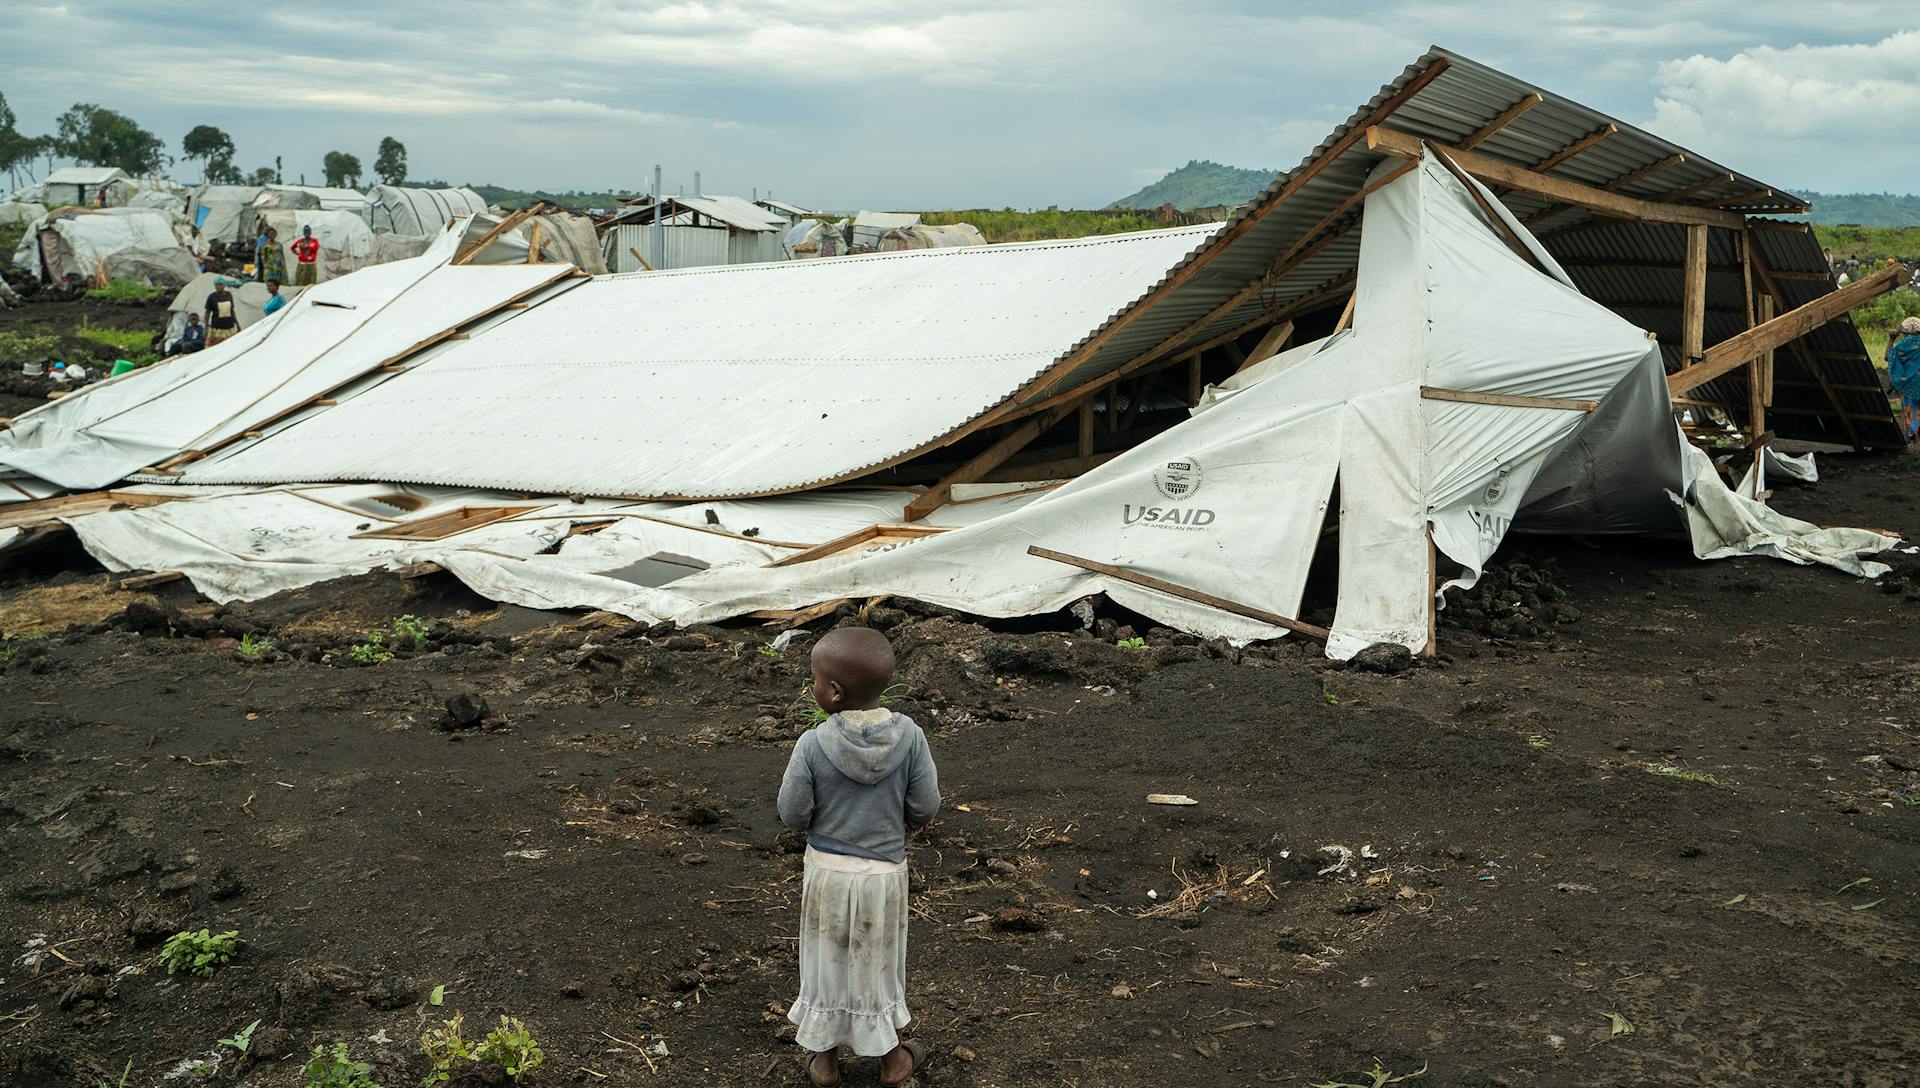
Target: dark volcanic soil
1694,807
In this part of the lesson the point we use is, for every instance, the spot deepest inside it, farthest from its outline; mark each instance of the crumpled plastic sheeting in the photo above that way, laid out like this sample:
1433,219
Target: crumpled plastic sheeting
1724,523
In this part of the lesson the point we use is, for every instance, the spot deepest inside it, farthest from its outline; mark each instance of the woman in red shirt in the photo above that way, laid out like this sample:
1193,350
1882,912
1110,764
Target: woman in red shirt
306,252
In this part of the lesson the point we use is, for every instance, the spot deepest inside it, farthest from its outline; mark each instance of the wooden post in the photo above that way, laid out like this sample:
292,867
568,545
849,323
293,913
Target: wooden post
1346,313
1433,600
1693,320
1086,427
1196,385
533,243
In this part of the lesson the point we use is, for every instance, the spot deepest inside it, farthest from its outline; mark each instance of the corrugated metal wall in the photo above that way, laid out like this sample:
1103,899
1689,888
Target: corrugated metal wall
690,247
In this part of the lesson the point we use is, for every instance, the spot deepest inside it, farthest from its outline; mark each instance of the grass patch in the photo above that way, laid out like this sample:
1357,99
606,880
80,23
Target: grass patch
10,236
22,347
132,345
126,291
1008,225
1683,774
1873,245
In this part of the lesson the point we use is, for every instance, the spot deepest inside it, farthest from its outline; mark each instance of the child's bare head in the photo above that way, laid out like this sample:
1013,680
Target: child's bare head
851,669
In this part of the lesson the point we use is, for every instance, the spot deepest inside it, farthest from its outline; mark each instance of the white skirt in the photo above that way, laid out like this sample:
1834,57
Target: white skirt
853,954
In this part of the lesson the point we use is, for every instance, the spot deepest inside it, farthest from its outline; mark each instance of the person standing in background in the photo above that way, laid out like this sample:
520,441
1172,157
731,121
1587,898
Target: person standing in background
1903,370
223,320
306,254
271,262
275,299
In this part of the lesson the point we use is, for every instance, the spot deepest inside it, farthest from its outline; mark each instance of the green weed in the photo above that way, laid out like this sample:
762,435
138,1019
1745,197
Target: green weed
1132,644
329,1067
1329,698
241,1040
124,1074
769,651
126,291
1535,740
26,347
510,1045
1377,1077
199,954
1684,775
410,627
131,344
13,646
252,645
371,652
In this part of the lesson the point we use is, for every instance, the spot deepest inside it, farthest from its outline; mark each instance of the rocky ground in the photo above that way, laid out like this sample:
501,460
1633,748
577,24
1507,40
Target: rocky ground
1646,821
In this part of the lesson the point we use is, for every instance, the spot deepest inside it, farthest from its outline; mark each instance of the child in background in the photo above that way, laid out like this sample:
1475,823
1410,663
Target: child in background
857,784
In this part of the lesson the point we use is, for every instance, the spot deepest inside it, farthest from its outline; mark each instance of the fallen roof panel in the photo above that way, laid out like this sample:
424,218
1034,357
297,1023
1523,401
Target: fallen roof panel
707,383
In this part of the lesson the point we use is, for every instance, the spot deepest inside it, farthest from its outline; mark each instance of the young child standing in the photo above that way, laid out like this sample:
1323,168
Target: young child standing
857,784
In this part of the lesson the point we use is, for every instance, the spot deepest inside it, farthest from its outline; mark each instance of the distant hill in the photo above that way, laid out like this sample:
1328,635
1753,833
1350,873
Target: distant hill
1200,184
1865,209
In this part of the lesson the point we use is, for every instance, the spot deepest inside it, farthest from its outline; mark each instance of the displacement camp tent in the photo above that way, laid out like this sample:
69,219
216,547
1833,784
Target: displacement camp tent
403,210
89,186
102,244
249,297
220,212
346,242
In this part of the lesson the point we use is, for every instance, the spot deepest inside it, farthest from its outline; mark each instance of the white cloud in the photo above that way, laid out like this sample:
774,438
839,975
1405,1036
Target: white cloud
1827,93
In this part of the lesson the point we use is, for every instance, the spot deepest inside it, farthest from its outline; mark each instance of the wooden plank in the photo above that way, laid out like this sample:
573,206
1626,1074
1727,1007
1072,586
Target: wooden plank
1497,172
1494,218
1512,114
533,243
1063,468
1196,384
1735,351
1547,164
1183,592
984,462
1743,198
506,224
1643,173
1433,597
1218,244
1086,424
1285,333
1693,307
1346,313
1813,366
1507,400
638,257
853,541
158,578
1697,187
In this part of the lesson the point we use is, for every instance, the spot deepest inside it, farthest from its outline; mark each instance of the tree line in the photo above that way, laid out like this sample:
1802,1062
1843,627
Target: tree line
93,135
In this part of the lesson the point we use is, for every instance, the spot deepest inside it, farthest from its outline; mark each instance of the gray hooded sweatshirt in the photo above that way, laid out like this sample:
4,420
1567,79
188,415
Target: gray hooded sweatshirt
859,789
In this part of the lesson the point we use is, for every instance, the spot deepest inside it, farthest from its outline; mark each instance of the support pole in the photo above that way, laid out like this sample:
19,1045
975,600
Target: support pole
1693,319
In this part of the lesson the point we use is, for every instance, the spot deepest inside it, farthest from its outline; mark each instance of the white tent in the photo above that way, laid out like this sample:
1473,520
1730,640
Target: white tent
405,210
920,236
325,198
249,296
219,211
564,237
869,227
14,213
101,244
346,242
89,186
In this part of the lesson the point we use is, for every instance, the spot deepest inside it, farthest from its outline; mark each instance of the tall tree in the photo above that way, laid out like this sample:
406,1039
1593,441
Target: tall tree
266,175
17,150
342,169
214,149
98,136
391,166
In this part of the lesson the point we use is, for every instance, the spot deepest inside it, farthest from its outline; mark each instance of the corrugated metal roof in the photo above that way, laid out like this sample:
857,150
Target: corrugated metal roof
723,382
1454,103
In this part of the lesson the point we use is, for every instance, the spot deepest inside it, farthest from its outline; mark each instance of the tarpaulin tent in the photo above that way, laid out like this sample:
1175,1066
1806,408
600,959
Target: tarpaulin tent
220,211
101,244
249,296
920,236
89,186
15,213
563,237
346,242
405,210
310,197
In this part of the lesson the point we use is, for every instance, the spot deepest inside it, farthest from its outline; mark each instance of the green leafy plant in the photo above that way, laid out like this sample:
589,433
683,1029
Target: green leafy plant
806,707
1621,1025
371,652
23,347
124,1074
134,345
1329,698
769,651
241,1040
1377,1077
510,1045
13,645
1535,740
199,954
329,1067
410,627
1684,775
126,291
252,645
1132,644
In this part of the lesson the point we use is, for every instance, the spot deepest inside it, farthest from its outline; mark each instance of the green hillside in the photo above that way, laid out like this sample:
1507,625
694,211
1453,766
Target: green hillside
1865,209
1200,184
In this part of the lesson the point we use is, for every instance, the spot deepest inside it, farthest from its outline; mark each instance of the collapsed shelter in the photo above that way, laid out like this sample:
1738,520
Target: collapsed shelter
1475,308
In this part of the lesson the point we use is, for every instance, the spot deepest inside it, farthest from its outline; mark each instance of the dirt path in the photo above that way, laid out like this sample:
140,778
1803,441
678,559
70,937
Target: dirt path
1663,812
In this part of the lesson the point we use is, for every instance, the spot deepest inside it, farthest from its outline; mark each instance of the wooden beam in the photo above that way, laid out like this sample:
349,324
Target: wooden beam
643,261
982,463
1640,264
1494,218
1183,592
507,223
1693,312
1757,382
1280,334
1699,186
1497,172
1086,427
533,243
1547,164
1235,230
1513,113
1743,198
1196,383
1736,351
1507,400
1643,173
157,578
1346,314
1815,367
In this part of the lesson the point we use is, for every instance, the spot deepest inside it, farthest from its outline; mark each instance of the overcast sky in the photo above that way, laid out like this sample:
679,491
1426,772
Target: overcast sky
960,103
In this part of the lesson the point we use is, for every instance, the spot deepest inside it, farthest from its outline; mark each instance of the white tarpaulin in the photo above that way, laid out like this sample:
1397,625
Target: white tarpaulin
329,335
220,211
403,210
346,242
101,244
249,297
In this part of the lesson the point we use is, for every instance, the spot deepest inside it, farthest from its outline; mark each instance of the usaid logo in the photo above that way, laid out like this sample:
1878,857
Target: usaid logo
1178,480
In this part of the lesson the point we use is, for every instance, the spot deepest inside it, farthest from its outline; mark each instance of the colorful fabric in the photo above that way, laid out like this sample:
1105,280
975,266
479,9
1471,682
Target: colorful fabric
273,304
303,275
214,336
306,249
273,263
1903,369
1910,326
